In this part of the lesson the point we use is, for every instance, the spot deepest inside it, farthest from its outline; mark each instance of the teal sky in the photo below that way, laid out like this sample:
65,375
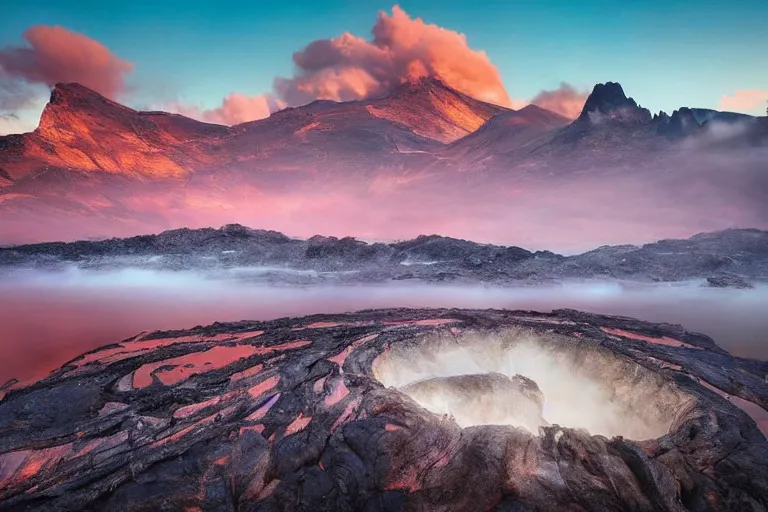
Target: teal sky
666,53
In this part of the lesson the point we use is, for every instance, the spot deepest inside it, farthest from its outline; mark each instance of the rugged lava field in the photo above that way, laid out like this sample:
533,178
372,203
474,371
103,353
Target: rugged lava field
330,412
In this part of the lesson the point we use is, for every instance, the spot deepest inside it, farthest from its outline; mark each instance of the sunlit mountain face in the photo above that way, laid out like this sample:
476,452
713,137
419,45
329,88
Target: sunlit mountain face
423,158
82,131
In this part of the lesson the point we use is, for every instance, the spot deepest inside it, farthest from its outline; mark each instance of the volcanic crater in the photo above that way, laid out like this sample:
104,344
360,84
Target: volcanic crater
537,379
405,409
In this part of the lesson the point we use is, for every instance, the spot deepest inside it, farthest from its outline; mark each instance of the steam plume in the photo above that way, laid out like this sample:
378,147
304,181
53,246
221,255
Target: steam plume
403,49
236,108
348,67
565,100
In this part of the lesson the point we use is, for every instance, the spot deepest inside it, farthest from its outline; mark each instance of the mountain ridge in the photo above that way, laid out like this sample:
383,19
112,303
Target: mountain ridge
94,166
732,255
448,114
82,130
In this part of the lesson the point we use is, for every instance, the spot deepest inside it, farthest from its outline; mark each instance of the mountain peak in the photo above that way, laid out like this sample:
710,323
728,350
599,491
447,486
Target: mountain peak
608,101
81,129
432,109
75,97
61,91
71,103
422,84
76,108
682,122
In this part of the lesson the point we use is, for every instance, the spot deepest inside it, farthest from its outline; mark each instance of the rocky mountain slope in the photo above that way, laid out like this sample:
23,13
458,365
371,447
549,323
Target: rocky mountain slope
726,256
83,131
94,167
503,136
431,109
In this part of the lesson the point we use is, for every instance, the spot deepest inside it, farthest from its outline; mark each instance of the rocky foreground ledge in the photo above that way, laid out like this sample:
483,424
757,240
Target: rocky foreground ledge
328,413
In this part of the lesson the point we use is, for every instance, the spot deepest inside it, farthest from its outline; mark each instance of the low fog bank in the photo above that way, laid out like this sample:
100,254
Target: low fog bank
49,317
563,205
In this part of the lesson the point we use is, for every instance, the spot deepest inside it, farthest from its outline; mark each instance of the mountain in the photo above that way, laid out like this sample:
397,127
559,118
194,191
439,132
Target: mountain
608,106
416,119
610,125
83,131
94,167
433,110
505,135
614,132
608,102
79,129
322,137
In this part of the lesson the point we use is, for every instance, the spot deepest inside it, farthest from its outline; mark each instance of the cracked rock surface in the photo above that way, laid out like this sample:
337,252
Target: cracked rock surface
318,413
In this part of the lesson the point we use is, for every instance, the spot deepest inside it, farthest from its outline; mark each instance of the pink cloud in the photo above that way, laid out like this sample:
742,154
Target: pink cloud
752,101
403,49
348,67
56,54
235,108
343,68
516,104
565,100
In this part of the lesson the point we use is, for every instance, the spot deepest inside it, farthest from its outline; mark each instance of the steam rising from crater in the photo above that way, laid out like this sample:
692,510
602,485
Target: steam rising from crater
583,386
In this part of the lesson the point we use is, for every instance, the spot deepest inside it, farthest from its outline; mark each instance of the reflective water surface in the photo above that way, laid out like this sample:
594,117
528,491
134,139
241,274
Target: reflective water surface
47,318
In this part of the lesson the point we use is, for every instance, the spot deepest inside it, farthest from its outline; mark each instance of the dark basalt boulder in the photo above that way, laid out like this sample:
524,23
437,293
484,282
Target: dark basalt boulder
729,281
300,414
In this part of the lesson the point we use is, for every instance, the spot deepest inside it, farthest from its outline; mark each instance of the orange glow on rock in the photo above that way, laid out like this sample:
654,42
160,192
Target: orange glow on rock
259,389
664,340
200,362
346,414
297,425
338,393
190,364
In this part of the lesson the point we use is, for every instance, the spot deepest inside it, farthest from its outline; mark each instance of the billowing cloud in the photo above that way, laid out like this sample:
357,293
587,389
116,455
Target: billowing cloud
348,67
751,101
239,108
56,54
402,49
565,100
236,108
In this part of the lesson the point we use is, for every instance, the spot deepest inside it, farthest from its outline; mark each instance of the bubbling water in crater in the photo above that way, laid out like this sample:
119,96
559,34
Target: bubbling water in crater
528,379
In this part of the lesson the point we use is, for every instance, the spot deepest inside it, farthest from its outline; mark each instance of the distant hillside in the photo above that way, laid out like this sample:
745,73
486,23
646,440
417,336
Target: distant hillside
731,258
